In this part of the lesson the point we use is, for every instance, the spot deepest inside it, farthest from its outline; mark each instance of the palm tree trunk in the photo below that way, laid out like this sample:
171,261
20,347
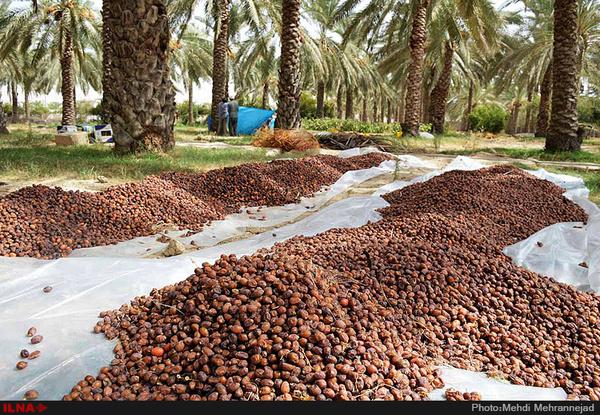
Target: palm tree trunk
191,117
562,131
425,106
439,94
401,107
15,102
349,104
382,112
106,61
545,96
375,110
339,102
265,95
288,108
75,101
418,37
467,113
364,117
142,99
321,99
3,122
514,118
528,111
68,77
220,47
26,105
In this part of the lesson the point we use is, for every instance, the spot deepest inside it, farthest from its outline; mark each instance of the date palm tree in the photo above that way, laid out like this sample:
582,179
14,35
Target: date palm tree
141,103
288,106
457,25
192,59
66,30
562,131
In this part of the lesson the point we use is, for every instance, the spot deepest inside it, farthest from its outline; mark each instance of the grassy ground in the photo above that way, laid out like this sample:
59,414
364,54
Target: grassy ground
537,154
30,155
26,155
191,134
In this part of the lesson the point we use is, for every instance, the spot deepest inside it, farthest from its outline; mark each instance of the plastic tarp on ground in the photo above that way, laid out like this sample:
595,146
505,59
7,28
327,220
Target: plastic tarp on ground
250,119
104,278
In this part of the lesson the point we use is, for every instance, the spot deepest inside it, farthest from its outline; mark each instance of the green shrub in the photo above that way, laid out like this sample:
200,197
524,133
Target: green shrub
200,111
308,106
336,124
488,118
589,110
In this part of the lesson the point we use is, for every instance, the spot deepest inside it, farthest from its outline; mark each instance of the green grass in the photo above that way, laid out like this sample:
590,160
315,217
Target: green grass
28,154
243,140
526,153
187,133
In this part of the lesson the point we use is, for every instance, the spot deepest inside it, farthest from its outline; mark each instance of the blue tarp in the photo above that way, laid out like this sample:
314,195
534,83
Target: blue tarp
250,119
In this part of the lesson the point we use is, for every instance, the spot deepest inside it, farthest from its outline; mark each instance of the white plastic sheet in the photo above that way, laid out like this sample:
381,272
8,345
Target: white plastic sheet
492,389
251,219
569,252
103,278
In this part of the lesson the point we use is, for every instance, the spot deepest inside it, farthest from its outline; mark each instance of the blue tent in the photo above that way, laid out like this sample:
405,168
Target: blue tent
250,119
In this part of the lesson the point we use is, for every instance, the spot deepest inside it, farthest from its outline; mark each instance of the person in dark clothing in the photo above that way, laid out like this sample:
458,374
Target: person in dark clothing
222,114
233,108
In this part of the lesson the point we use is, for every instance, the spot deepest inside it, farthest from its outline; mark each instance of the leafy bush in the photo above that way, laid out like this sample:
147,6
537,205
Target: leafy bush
335,124
589,110
200,110
489,118
308,106
425,128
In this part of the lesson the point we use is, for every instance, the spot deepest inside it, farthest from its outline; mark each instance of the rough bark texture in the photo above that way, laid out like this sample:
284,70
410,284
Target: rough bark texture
349,104
265,95
562,131
288,108
513,121
3,121
389,111
425,106
364,117
544,110
418,36
26,106
528,111
191,117
321,99
439,94
15,102
220,47
339,102
467,113
68,76
375,110
106,61
142,99
382,112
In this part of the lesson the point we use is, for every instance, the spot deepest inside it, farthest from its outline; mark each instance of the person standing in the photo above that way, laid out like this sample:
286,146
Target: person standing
222,114
233,108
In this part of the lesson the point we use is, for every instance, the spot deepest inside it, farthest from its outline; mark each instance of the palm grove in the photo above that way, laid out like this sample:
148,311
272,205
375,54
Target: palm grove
411,62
